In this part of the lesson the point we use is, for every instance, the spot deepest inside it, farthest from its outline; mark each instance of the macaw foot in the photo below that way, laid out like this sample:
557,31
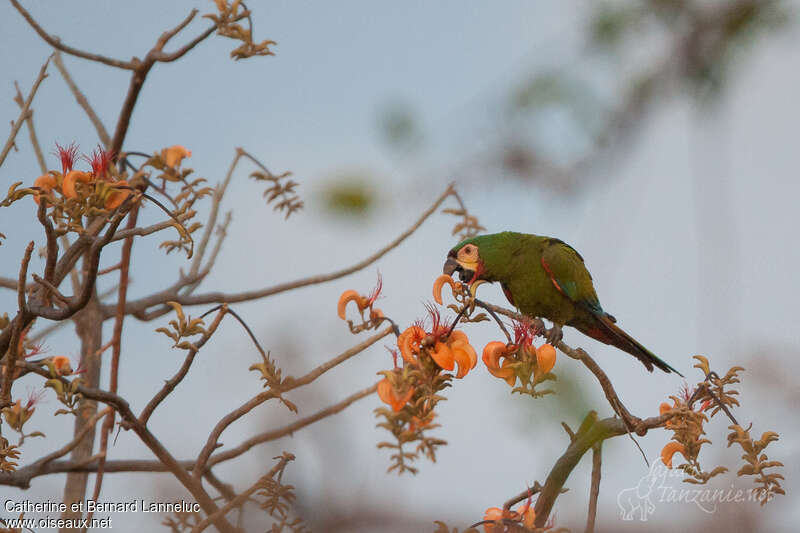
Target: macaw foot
554,335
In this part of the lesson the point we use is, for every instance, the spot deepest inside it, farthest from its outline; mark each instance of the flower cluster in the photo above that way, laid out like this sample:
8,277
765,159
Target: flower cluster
99,186
444,345
18,414
687,425
715,394
429,350
521,360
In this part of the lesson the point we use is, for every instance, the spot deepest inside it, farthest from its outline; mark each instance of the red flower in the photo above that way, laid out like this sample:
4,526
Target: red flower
100,161
67,155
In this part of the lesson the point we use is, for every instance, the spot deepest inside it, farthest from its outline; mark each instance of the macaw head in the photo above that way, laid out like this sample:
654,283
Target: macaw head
465,258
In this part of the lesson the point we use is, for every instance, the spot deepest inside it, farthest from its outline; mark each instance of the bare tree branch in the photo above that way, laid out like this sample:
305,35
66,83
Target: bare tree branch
82,101
137,307
594,491
289,429
56,43
287,385
23,113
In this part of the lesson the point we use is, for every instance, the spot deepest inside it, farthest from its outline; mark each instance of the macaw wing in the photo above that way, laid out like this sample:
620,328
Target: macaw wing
565,267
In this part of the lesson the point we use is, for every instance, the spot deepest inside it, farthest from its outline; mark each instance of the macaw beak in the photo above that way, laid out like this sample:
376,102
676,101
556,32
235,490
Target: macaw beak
451,266
466,271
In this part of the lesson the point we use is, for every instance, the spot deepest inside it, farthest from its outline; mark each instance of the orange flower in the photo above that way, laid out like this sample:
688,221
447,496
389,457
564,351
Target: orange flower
545,358
524,514
409,342
173,155
45,182
492,354
439,283
346,298
62,365
492,513
443,356
118,195
463,353
388,395
363,302
664,408
527,514
456,349
669,450
68,186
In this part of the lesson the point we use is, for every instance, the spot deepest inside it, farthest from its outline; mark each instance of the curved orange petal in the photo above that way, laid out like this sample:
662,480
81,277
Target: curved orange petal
408,343
465,356
511,378
46,182
116,197
492,513
438,284
443,356
491,358
669,450
528,515
663,408
545,358
400,401
174,155
458,335
491,354
385,392
344,299
68,185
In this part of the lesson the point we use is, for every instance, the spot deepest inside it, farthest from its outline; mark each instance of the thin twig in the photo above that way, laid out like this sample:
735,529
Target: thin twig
102,134
17,329
116,343
594,491
23,113
137,307
219,193
289,429
55,42
37,149
177,468
244,496
173,382
287,385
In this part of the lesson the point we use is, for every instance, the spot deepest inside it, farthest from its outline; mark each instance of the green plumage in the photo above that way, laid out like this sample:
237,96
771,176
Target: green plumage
545,277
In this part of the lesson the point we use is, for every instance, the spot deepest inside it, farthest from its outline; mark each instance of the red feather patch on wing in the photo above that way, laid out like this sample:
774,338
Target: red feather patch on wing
508,294
552,277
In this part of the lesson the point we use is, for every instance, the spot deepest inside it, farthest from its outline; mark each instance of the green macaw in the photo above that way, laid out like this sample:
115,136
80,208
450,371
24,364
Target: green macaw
545,278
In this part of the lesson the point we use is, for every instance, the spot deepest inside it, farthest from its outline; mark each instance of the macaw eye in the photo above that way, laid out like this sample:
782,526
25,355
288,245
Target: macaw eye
468,249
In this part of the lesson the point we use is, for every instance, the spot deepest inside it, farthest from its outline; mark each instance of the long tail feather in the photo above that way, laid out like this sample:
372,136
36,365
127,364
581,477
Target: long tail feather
604,330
